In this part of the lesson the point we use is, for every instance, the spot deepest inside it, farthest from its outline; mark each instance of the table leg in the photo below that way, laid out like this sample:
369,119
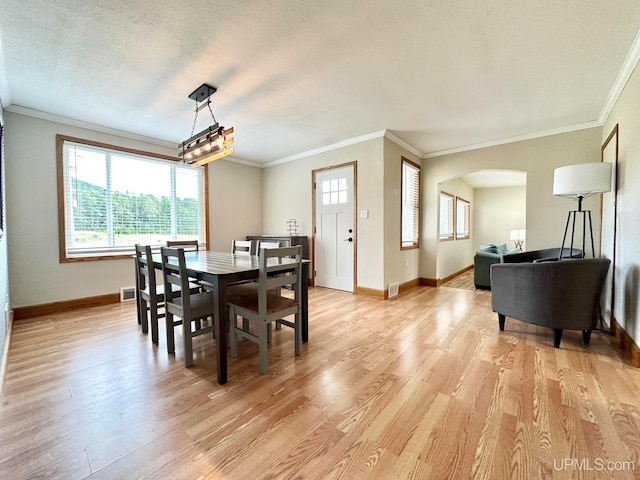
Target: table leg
221,324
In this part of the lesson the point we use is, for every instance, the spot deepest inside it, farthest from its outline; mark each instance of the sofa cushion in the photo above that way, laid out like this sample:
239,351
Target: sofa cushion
491,248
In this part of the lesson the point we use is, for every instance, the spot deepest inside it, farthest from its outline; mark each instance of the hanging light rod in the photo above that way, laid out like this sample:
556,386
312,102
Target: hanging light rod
212,143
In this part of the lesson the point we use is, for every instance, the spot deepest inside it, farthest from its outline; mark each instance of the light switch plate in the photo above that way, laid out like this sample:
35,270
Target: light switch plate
364,213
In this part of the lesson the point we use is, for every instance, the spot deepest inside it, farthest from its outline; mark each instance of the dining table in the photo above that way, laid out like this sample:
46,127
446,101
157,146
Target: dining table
219,270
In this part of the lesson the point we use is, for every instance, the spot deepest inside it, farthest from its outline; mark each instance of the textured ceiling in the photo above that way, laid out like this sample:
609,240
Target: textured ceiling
294,76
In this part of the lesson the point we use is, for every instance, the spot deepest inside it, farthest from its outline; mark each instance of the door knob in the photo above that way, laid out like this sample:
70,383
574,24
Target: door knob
350,239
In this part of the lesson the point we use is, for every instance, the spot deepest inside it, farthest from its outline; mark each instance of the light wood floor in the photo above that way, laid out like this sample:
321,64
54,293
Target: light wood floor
423,386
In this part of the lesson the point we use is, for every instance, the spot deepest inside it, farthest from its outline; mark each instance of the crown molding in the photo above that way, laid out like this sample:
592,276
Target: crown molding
518,138
90,126
402,143
242,161
621,80
327,148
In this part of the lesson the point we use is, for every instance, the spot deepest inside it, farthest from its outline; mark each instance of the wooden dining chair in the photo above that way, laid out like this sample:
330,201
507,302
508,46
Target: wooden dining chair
150,295
187,245
266,305
242,247
195,310
262,244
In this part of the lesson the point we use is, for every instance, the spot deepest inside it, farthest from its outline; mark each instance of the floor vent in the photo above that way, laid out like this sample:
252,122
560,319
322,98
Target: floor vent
127,294
393,289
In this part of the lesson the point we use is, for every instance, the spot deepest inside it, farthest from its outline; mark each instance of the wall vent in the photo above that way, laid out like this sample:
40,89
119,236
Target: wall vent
127,294
394,288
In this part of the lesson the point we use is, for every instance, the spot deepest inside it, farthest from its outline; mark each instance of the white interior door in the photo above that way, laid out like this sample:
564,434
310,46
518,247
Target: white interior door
335,228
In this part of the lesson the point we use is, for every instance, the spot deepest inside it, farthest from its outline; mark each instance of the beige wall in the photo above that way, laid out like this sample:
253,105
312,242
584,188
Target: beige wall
497,212
627,298
399,265
36,276
287,193
235,203
456,255
4,265
546,215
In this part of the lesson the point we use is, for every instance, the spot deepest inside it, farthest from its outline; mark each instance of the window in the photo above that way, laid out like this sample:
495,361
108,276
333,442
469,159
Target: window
334,191
462,218
446,216
410,209
111,198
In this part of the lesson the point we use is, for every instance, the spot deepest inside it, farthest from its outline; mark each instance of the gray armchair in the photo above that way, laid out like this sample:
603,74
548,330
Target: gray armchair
562,295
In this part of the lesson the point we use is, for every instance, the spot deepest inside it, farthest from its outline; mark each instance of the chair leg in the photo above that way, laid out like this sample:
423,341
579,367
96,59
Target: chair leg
297,332
262,345
139,306
171,343
586,336
144,320
557,336
501,319
187,338
233,336
154,323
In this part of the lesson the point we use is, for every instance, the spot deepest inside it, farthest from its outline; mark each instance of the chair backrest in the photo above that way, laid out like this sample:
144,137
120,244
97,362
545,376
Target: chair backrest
241,247
262,244
145,273
187,245
276,272
174,272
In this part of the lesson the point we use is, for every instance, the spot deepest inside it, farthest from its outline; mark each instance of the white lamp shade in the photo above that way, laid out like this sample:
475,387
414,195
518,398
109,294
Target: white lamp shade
582,179
516,235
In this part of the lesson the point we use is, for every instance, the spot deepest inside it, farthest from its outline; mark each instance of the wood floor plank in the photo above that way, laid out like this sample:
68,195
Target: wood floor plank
422,386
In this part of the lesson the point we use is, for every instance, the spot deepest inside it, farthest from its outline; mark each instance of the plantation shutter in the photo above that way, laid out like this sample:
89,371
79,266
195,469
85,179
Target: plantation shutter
410,204
446,216
462,218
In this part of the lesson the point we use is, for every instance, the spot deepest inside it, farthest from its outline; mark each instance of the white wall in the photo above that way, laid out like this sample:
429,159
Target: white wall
546,215
456,255
498,211
36,276
287,193
625,114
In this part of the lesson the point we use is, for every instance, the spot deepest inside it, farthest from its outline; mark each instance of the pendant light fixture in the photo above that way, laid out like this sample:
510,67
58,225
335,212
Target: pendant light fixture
212,143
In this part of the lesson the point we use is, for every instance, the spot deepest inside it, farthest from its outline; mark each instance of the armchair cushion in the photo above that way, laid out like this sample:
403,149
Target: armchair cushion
562,295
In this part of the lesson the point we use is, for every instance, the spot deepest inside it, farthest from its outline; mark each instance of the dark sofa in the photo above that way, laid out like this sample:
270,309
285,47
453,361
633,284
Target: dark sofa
486,256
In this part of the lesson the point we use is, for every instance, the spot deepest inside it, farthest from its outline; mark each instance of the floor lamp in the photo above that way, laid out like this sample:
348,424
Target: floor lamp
580,181
518,238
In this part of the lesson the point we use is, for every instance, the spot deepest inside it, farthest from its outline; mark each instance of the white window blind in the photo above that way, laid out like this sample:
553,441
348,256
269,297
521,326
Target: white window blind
410,210
446,216
462,218
114,199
